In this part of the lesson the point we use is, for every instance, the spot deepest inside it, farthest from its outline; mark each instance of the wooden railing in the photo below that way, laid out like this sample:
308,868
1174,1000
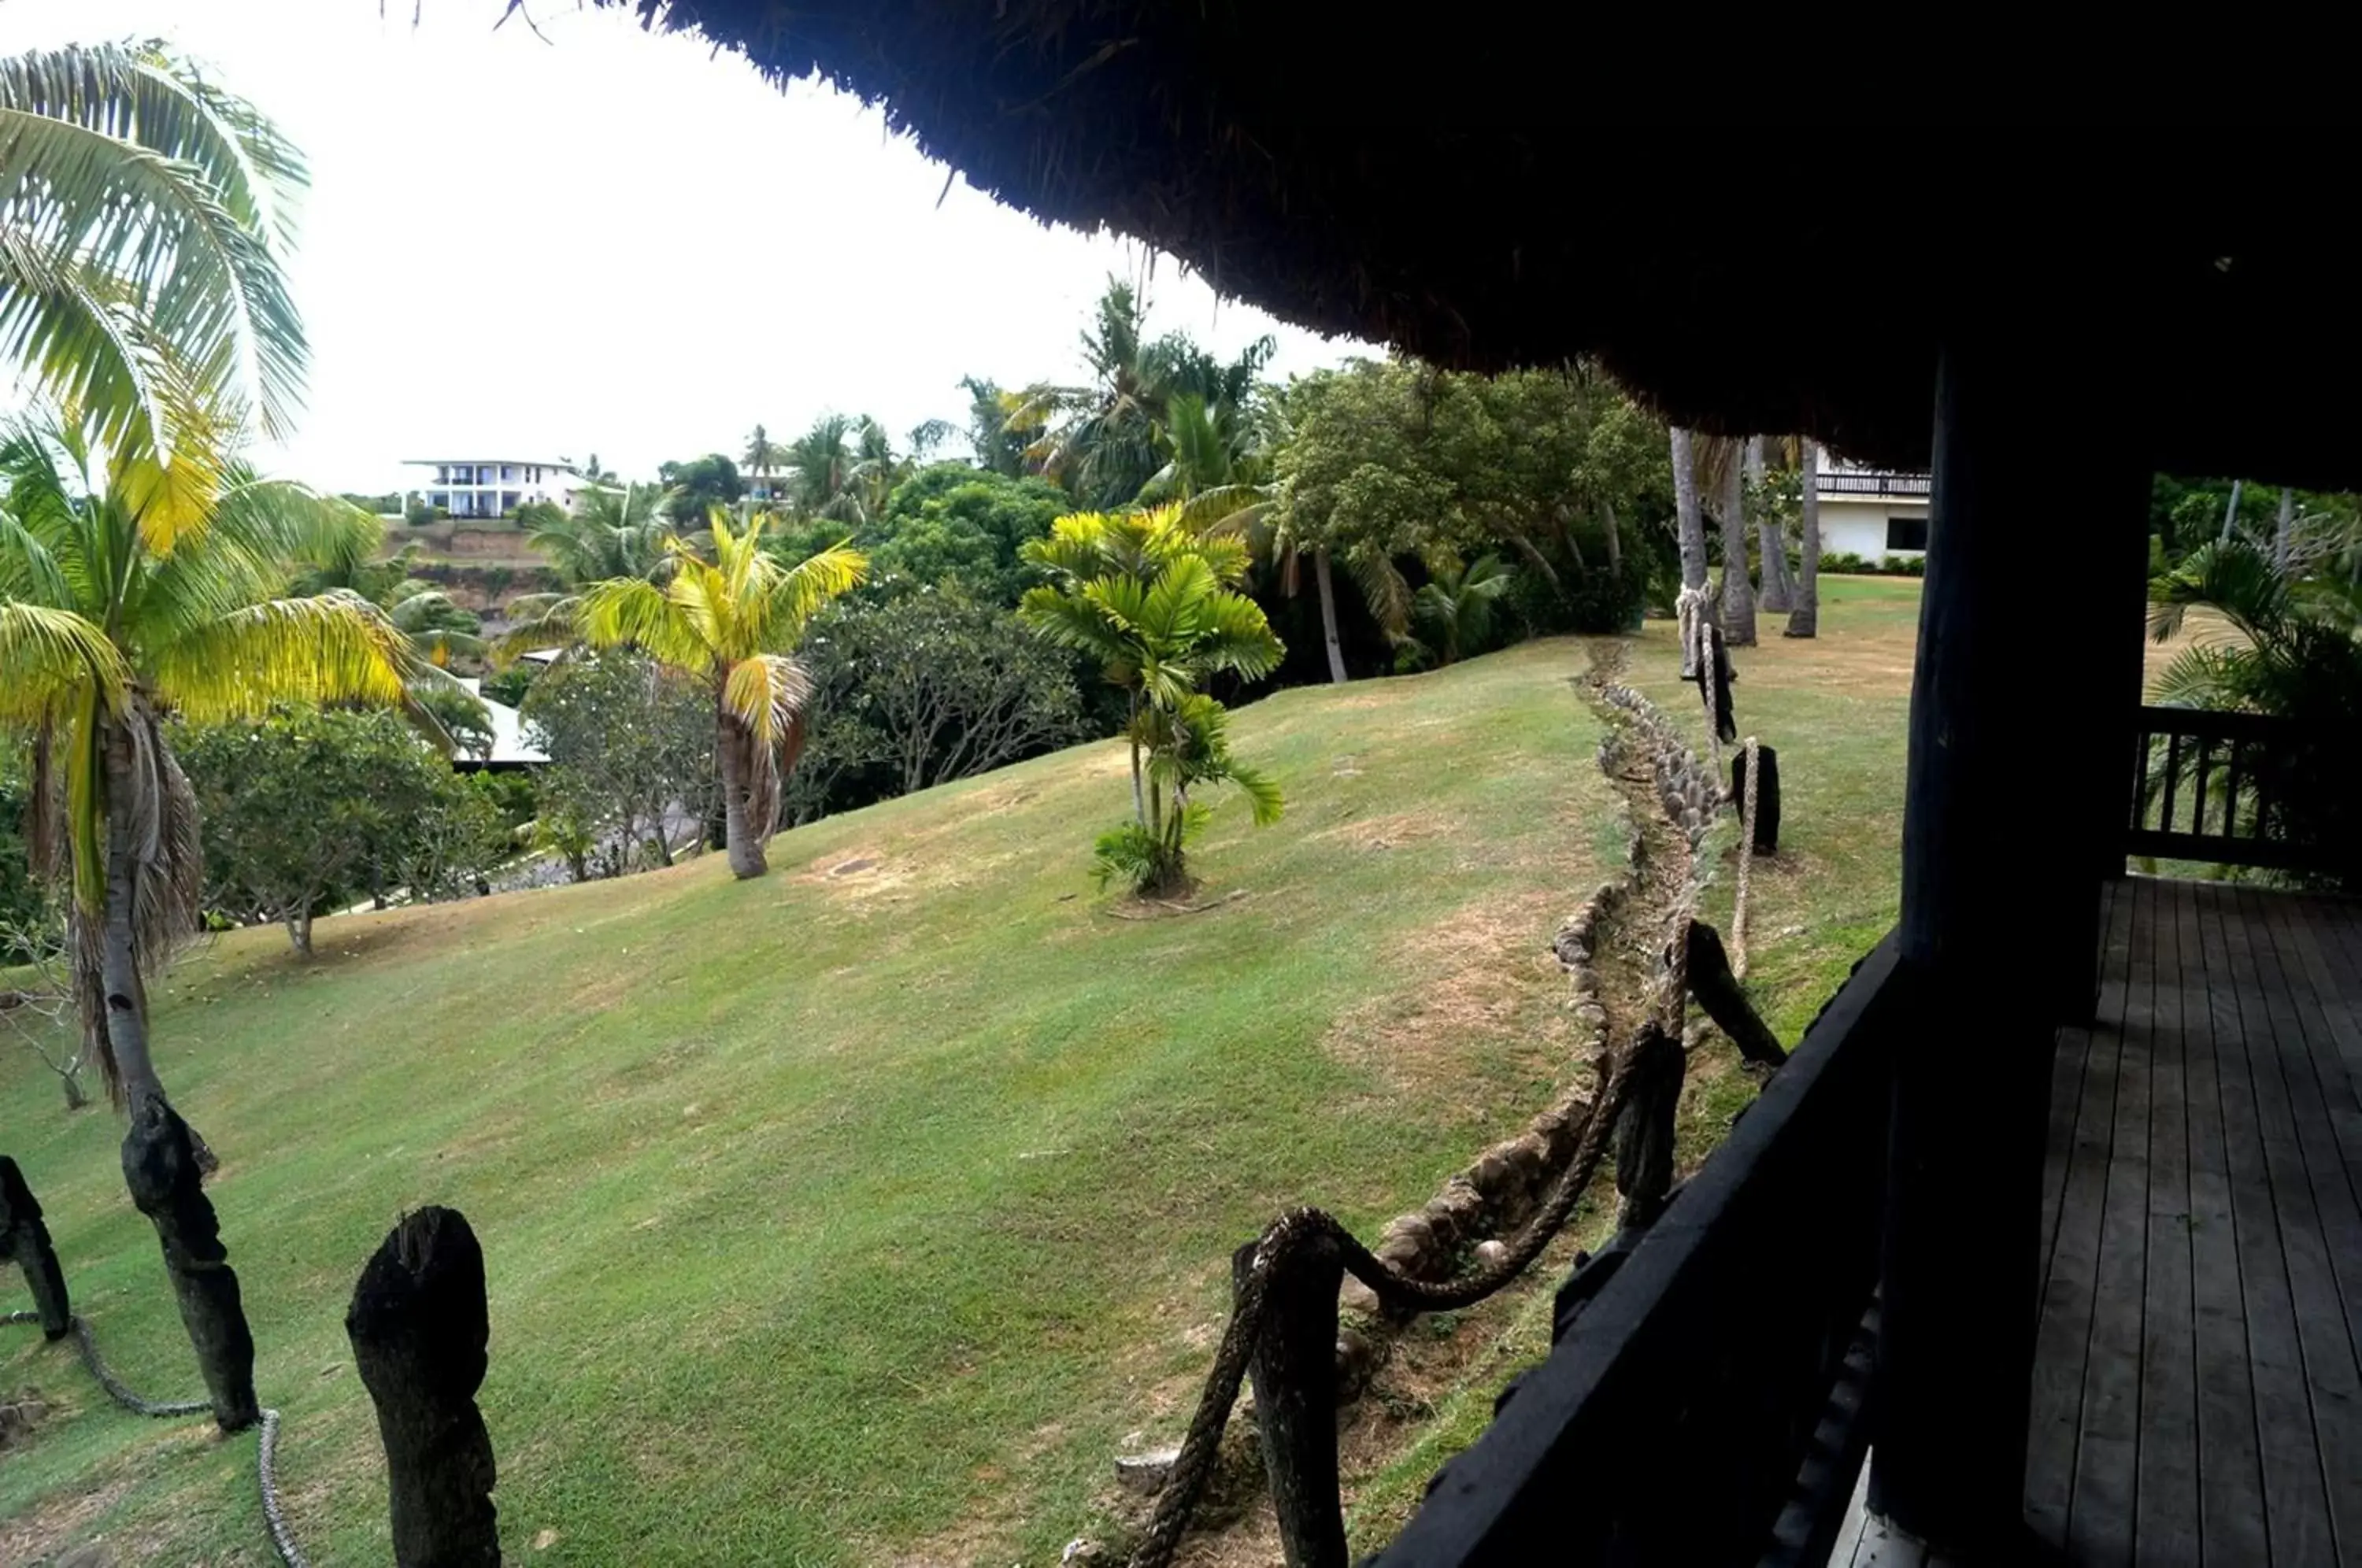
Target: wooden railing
2208,785
1873,482
1694,1407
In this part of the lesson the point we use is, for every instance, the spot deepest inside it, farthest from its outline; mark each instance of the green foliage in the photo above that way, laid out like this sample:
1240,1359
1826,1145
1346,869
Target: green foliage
631,747
417,514
2293,650
1455,606
922,689
148,212
306,811
952,526
694,488
508,686
25,903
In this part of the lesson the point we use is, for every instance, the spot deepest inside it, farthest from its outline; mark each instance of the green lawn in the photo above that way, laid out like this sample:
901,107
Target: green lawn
1835,707
857,1214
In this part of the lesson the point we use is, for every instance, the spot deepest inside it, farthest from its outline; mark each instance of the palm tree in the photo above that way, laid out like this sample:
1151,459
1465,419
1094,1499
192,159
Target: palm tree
129,591
1690,515
1157,604
143,215
821,471
1737,593
876,471
732,622
762,457
1459,605
1805,608
609,533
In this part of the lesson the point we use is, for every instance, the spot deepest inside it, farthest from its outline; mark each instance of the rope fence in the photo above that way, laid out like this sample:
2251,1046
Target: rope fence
265,1454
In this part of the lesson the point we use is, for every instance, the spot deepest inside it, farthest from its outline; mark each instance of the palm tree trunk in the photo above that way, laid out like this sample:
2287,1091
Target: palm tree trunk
1737,593
1804,612
2282,529
2231,513
125,994
1778,593
299,932
1138,791
732,743
1692,518
1329,616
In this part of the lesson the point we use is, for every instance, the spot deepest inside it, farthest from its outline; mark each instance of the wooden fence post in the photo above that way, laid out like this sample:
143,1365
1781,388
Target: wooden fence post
1295,1376
1708,968
159,1166
1644,1135
25,1240
419,1326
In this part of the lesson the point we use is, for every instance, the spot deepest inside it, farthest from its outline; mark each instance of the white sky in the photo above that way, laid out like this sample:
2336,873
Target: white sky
621,243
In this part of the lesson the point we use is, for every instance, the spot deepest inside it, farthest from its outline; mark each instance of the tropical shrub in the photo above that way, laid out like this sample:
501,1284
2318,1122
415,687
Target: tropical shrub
2291,648
631,747
1155,604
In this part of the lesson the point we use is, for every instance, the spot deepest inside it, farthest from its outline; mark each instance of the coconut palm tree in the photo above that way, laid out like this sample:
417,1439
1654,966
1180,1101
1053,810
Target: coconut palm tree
1457,604
731,619
821,471
762,457
611,532
143,215
1689,516
130,591
1157,604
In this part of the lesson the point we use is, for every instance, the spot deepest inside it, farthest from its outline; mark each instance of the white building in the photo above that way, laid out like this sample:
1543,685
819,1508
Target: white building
1871,513
495,487
511,746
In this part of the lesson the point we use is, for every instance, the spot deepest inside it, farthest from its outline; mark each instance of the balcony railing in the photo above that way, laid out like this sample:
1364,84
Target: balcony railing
2213,786
1874,482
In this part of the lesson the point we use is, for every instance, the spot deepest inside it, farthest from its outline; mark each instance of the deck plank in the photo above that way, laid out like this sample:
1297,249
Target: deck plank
2063,1331
2166,1521
2230,1480
2257,1136
2319,1219
2101,1514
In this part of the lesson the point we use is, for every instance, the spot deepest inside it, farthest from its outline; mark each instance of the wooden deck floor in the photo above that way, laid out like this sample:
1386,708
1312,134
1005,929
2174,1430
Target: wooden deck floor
2197,1393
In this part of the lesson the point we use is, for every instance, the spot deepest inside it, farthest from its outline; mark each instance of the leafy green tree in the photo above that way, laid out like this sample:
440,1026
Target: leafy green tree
1156,606
631,747
1456,606
695,488
821,462
952,525
142,239
731,623
943,688
306,811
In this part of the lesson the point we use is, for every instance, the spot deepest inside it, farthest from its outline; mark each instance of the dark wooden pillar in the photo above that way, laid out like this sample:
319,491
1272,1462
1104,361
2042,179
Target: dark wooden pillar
25,1241
420,1326
1295,1376
2033,495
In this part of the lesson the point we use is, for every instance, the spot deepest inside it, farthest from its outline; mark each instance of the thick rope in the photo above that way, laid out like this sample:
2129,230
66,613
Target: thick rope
1693,616
1194,1467
1746,859
266,1456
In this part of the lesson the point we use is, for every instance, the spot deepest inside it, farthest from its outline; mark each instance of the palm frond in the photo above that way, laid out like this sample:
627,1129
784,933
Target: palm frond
325,648
48,655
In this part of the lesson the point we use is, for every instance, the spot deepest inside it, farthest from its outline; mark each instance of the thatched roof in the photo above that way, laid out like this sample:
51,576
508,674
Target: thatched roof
1486,185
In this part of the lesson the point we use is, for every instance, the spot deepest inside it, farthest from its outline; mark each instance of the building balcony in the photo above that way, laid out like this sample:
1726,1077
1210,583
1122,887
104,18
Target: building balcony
1873,483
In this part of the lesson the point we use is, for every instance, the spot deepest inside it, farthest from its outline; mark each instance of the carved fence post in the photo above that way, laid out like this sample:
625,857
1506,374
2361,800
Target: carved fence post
1644,1135
25,1240
419,1326
159,1166
1718,990
1767,796
1295,1376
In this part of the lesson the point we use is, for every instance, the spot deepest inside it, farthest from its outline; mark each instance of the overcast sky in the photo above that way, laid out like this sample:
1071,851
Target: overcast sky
621,243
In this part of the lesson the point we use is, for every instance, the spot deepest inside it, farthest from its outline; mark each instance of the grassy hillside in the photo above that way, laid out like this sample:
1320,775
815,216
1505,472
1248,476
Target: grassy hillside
856,1214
